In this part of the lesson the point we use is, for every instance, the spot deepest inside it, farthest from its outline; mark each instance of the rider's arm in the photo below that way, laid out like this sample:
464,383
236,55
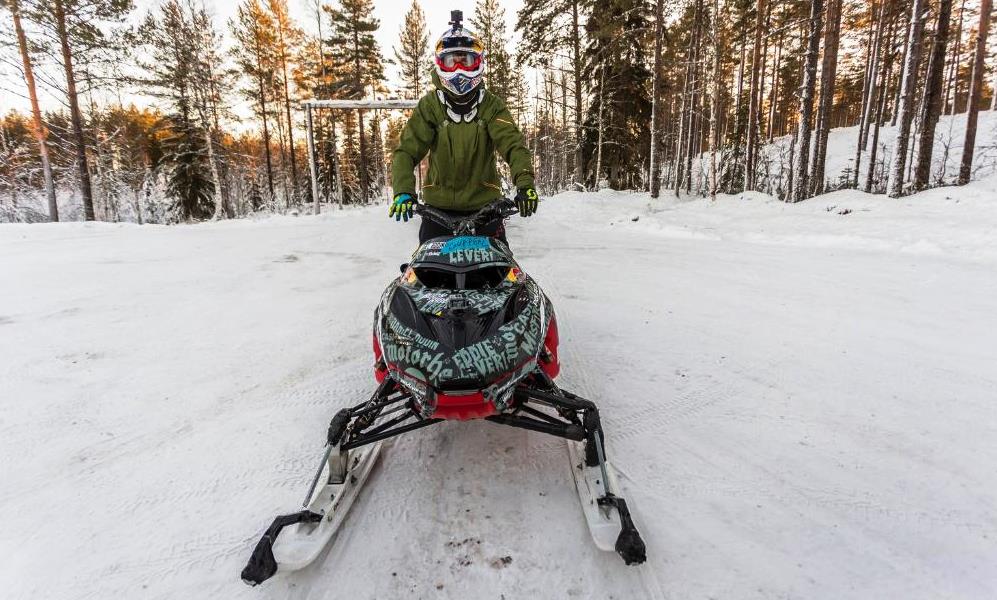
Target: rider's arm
509,142
416,138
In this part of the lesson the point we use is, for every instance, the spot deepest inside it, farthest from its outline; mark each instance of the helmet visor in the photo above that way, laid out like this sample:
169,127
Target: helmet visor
459,60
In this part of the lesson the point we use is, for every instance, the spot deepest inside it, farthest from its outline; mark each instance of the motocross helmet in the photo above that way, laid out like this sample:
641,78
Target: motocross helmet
460,66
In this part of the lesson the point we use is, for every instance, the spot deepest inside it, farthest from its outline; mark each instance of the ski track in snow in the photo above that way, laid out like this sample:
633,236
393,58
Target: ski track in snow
789,419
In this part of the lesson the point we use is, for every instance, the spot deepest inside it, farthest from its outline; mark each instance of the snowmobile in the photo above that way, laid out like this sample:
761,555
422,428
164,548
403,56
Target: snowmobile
462,334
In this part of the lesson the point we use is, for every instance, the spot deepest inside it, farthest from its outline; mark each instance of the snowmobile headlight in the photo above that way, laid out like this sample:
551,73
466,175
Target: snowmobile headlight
409,277
515,275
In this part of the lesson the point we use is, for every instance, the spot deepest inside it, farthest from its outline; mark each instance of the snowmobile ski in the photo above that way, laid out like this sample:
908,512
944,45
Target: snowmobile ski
299,546
603,522
310,530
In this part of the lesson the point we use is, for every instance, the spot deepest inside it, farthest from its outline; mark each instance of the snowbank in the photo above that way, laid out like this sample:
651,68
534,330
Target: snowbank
960,222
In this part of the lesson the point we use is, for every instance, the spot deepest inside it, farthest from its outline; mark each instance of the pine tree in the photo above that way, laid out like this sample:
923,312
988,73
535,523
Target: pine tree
79,27
656,108
975,92
489,24
38,126
354,52
933,95
253,30
825,103
288,40
412,52
616,64
550,27
754,100
183,48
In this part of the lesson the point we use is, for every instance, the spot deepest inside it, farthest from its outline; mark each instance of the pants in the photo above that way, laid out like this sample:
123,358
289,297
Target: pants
429,229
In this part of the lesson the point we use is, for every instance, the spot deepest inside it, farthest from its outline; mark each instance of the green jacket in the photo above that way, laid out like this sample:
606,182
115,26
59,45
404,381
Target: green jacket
462,173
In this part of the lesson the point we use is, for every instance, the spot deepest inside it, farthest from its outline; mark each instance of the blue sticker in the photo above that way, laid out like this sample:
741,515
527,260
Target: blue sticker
465,243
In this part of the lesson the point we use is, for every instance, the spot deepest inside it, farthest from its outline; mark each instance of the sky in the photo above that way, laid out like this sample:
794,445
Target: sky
391,14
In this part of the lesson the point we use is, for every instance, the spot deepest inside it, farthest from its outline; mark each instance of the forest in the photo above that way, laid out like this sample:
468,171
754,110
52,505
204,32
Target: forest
696,97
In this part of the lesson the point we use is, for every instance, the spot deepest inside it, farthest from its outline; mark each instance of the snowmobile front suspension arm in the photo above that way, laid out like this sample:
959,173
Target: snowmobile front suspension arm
570,431
364,439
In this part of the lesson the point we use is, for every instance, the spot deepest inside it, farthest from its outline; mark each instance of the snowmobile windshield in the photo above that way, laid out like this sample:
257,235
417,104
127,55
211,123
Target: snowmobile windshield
484,278
463,254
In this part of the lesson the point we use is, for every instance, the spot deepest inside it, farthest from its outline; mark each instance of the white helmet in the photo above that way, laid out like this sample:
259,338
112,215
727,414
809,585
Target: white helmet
460,67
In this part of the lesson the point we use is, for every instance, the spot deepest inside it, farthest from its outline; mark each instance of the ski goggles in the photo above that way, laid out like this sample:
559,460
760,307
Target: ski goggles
459,60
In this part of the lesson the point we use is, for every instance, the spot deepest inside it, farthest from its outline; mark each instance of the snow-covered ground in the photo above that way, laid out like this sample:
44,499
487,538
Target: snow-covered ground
800,399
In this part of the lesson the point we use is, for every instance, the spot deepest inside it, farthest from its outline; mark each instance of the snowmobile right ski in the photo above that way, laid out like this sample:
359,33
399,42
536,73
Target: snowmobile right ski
603,522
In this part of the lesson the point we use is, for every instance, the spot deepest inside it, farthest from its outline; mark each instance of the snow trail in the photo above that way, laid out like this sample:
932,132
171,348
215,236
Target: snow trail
798,400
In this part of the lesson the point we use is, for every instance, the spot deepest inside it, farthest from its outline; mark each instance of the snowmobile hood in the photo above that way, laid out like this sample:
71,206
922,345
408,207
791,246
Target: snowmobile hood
462,339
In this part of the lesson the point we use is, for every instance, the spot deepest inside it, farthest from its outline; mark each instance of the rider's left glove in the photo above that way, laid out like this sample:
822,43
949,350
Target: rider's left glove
527,201
402,206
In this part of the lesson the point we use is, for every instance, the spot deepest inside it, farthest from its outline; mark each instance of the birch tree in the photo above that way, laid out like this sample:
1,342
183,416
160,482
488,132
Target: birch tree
799,188
906,104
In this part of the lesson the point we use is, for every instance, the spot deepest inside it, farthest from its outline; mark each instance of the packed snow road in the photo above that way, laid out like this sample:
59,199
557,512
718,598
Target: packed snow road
800,404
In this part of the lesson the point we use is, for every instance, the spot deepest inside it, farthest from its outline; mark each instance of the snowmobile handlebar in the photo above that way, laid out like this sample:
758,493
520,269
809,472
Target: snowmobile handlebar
468,224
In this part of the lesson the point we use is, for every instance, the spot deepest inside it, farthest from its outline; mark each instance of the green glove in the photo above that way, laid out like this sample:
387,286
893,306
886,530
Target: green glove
402,207
527,201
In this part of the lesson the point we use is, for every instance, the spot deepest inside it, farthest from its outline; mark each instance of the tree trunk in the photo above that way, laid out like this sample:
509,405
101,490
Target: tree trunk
266,143
358,81
975,91
694,100
38,127
933,96
871,89
774,95
216,180
598,150
807,101
903,61
86,189
577,64
683,113
905,109
287,114
950,86
754,101
884,79
656,101
715,108
825,103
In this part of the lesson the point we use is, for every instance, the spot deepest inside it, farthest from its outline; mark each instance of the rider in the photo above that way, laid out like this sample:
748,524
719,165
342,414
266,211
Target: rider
461,125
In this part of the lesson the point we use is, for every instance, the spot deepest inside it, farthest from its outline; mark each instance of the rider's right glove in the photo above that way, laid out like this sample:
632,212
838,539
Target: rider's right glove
402,207
527,201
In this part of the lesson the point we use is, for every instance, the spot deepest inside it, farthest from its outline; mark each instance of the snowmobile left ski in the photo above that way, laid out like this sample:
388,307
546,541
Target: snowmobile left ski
462,334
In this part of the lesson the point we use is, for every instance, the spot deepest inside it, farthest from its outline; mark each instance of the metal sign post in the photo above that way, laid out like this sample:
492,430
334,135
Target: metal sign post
365,104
